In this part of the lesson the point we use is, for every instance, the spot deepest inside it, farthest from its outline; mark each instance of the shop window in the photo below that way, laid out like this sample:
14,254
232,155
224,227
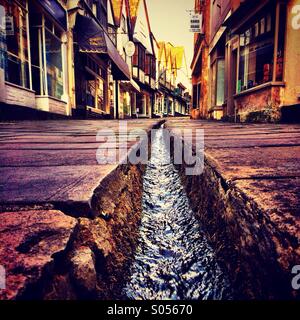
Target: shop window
256,54
46,55
140,104
36,68
54,65
100,95
281,41
15,40
218,82
95,85
90,90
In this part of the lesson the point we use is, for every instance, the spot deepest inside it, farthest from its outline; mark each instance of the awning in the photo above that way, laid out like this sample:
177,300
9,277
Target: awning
135,85
130,85
54,8
91,38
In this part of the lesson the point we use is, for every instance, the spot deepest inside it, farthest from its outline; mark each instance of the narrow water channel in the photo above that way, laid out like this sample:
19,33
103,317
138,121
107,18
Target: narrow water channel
173,259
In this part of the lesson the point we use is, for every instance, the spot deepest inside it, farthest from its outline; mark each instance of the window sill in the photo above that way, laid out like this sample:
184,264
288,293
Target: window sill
19,87
51,98
96,110
260,87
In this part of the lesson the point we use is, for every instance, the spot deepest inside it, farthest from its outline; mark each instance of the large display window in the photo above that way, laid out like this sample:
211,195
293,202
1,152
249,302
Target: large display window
256,61
218,82
15,42
46,54
95,85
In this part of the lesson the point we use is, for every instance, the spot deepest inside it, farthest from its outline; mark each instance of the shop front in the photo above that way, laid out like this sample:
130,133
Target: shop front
15,73
33,55
260,60
98,71
48,26
128,105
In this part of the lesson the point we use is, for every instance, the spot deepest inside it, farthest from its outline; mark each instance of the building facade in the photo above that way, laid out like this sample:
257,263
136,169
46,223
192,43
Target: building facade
84,59
172,100
144,59
200,63
252,52
98,65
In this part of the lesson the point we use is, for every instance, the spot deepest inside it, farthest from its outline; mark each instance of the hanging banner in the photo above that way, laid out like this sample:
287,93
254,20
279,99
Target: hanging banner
9,25
196,23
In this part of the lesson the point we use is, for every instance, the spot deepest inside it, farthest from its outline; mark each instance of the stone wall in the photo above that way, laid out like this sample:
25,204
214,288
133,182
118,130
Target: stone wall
260,105
242,235
95,263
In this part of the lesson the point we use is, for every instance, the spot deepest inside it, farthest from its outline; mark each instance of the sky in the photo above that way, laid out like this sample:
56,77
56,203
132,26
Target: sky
169,21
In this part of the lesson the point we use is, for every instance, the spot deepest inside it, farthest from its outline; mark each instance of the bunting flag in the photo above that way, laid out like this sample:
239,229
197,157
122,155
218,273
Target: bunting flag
178,53
117,6
170,57
133,10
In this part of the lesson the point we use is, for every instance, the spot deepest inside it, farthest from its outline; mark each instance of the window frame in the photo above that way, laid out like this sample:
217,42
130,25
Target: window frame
273,24
142,57
57,32
23,10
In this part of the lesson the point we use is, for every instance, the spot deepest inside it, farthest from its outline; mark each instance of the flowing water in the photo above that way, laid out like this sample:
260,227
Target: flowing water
173,259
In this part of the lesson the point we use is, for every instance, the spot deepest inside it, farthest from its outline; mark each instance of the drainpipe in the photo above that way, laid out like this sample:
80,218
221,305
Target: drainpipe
117,99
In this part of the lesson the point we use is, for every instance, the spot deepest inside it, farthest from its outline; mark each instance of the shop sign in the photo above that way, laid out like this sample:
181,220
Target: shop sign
196,22
8,24
130,48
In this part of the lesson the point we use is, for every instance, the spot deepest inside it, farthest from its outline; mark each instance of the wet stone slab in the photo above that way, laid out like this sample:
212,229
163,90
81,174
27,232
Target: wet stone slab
46,162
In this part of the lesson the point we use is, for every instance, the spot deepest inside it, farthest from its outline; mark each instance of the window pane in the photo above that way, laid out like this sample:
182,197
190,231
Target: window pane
281,43
91,91
13,32
14,43
54,65
213,83
220,82
256,54
13,70
37,75
100,95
